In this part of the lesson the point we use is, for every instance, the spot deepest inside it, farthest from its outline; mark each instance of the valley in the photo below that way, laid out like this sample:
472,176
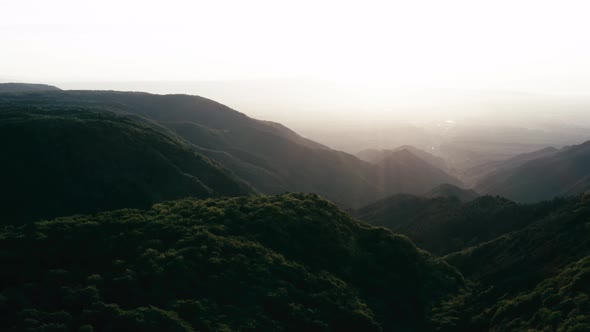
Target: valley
143,212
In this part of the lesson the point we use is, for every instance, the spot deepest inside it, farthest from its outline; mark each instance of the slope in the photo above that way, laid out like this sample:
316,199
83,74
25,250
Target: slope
532,253
445,224
286,263
566,172
404,172
498,168
559,303
25,87
63,161
269,156
375,156
536,277
449,190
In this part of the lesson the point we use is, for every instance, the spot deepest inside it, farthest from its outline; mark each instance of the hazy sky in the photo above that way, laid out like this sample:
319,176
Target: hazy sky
524,45
374,49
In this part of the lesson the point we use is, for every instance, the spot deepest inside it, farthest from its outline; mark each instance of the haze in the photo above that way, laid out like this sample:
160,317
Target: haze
319,66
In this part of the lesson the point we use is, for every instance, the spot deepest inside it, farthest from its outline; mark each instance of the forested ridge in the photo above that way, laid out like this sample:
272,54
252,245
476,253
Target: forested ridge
290,262
62,161
267,155
138,212
534,278
443,225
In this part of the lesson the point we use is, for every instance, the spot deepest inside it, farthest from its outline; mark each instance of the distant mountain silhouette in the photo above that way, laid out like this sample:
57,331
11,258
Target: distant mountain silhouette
449,190
25,87
552,173
403,171
375,156
497,168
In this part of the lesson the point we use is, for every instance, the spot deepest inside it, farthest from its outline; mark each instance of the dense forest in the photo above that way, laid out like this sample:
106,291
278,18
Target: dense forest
541,175
446,224
138,212
533,279
268,156
63,161
285,263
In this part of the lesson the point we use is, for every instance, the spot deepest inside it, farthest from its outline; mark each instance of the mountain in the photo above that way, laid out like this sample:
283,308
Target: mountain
291,262
557,173
449,190
557,303
60,161
533,278
408,170
284,263
375,156
25,87
444,225
268,156
404,172
498,168
537,250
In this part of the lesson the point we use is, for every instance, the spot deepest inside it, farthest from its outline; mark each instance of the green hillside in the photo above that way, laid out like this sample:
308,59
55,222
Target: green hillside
534,279
139,212
552,173
449,190
559,303
270,157
529,255
285,263
25,87
61,161
443,225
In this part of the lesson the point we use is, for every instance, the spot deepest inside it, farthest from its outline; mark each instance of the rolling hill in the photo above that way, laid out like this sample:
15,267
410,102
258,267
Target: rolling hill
498,168
285,263
266,155
404,172
375,156
25,87
449,190
528,255
535,278
290,262
444,225
63,161
554,173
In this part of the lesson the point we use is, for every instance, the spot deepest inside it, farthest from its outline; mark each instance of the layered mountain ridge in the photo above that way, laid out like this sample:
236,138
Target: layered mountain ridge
268,156
65,161
229,257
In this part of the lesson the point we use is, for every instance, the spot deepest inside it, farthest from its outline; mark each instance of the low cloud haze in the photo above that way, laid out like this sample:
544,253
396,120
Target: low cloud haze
506,77
349,118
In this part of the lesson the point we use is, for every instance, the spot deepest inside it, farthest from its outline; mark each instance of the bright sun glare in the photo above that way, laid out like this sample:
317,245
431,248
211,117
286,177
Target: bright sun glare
525,45
323,60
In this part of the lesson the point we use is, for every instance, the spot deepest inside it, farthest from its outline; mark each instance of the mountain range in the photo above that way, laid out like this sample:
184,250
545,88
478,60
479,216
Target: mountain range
451,191
26,87
535,278
526,265
139,212
268,156
64,161
541,175
285,263
375,156
446,224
